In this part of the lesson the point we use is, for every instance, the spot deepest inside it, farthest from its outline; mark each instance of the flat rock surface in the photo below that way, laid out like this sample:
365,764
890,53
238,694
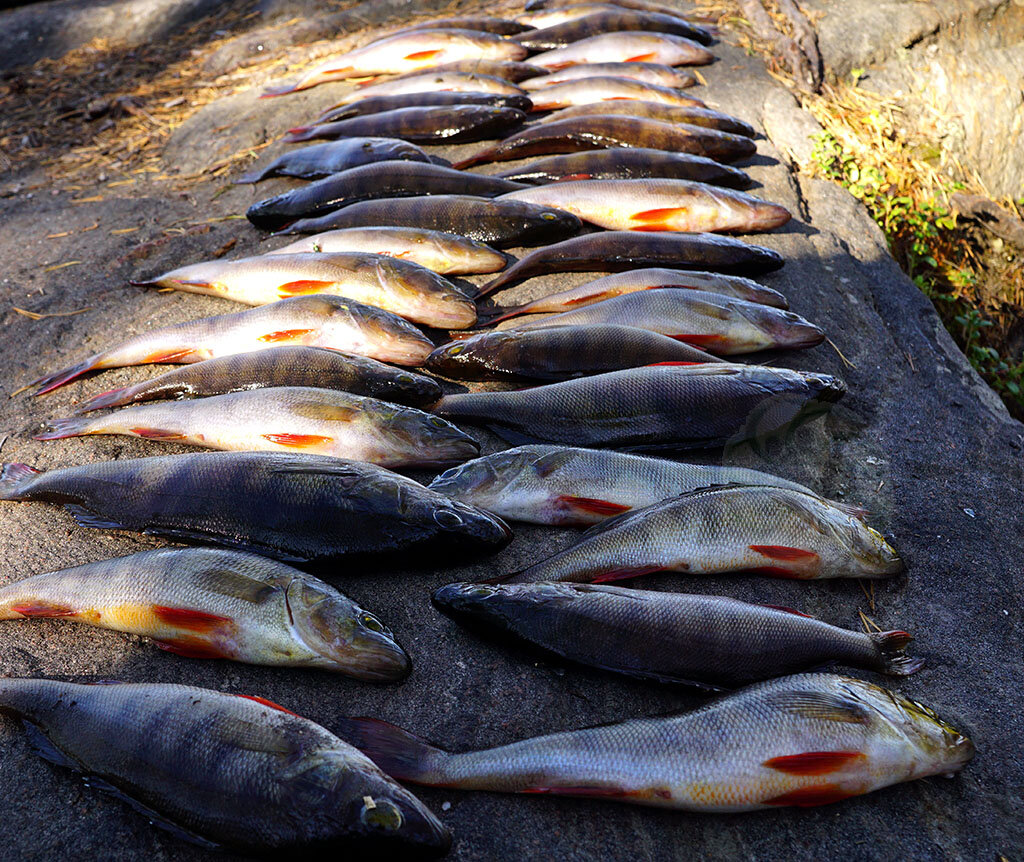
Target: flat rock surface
919,440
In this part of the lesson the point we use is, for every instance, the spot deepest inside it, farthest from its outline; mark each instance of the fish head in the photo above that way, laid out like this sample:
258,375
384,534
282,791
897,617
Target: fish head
469,524
468,358
782,329
859,545
343,635
935,746
546,225
449,306
397,339
426,437
499,605
487,482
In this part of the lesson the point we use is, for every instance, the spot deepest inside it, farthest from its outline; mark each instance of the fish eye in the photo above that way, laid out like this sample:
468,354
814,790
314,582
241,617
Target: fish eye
438,422
456,350
548,216
405,378
370,622
447,518
381,814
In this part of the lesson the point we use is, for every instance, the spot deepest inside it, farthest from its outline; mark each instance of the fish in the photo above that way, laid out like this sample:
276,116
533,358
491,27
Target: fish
712,642
559,486
222,770
502,224
627,163
635,280
504,70
278,366
322,160
413,50
627,46
606,88
776,532
719,324
404,288
653,408
604,131
656,205
444,253
558,14
369,182
449,124
313,321
615,251
559,353
380,104
648,73
293,507
805,740
577,10
691,115
212,603
288,419
477,23
617,21
434,81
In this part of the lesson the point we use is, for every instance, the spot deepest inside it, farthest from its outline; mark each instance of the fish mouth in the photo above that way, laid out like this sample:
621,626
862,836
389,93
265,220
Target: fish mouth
382,661
769,216
826,388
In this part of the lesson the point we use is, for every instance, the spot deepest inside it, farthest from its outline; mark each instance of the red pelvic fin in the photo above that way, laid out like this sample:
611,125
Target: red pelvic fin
642,58
297,441
296,288
39,608
623,574
156,434
269,703
285,335
788,610
185,355
593,506
813,762
570,177
188,618
776,572
699,338
190,647
656,219
423,55
782,552
806,797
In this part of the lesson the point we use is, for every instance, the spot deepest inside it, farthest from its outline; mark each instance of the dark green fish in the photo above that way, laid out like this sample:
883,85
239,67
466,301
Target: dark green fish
221,769
322,160
278,366
620,250
295,508
379,104
502,224
369,182
601,131
560,353
659,407
560,35
447,124
710,641
624,164
663,112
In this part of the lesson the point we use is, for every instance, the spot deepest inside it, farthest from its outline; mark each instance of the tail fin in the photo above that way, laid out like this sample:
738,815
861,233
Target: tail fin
497,315
281,90
13,479
73,426
300,133
110,398
143,283
507,277
894,660
399,753
66,375
476,159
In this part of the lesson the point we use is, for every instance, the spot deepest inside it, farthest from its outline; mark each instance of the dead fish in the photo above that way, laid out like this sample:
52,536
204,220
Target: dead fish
722,325
657,407
289,506
322,160
314,321
381,104
506,70
559,353
278,366
477,23
656,205
445,253
435,81
559,14
606,88
600,23
503,224
602,131
222,769
450,124
629,46
407,52
647,73
709,641
692,115
290,419
399,286
804,740
368,182
747,528
576,9
615,251
631,163
568,487
210,603
644,279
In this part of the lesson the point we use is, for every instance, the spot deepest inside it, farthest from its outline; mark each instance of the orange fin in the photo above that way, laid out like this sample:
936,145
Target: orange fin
656,219
642,58
297,441
806,797
592,505
623,574
269,703
813,762
699,338
423,55
188,618
190,647
172,356
776,572
295,288
570,177
156,434
286,335
782,552
39,608
788,610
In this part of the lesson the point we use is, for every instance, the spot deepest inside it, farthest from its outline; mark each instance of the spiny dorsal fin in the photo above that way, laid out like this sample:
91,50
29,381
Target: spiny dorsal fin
820,706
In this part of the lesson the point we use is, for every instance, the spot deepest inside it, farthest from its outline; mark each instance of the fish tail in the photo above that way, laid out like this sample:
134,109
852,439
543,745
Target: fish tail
495,283
66,375
143,283
497,315
281,90
13,479
893,658
299,133
399,753
475,159
110,398
72,426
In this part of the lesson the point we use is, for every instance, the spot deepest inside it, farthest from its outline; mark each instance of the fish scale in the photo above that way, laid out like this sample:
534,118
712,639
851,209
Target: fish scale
627,47
694,115
649,73
597,89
